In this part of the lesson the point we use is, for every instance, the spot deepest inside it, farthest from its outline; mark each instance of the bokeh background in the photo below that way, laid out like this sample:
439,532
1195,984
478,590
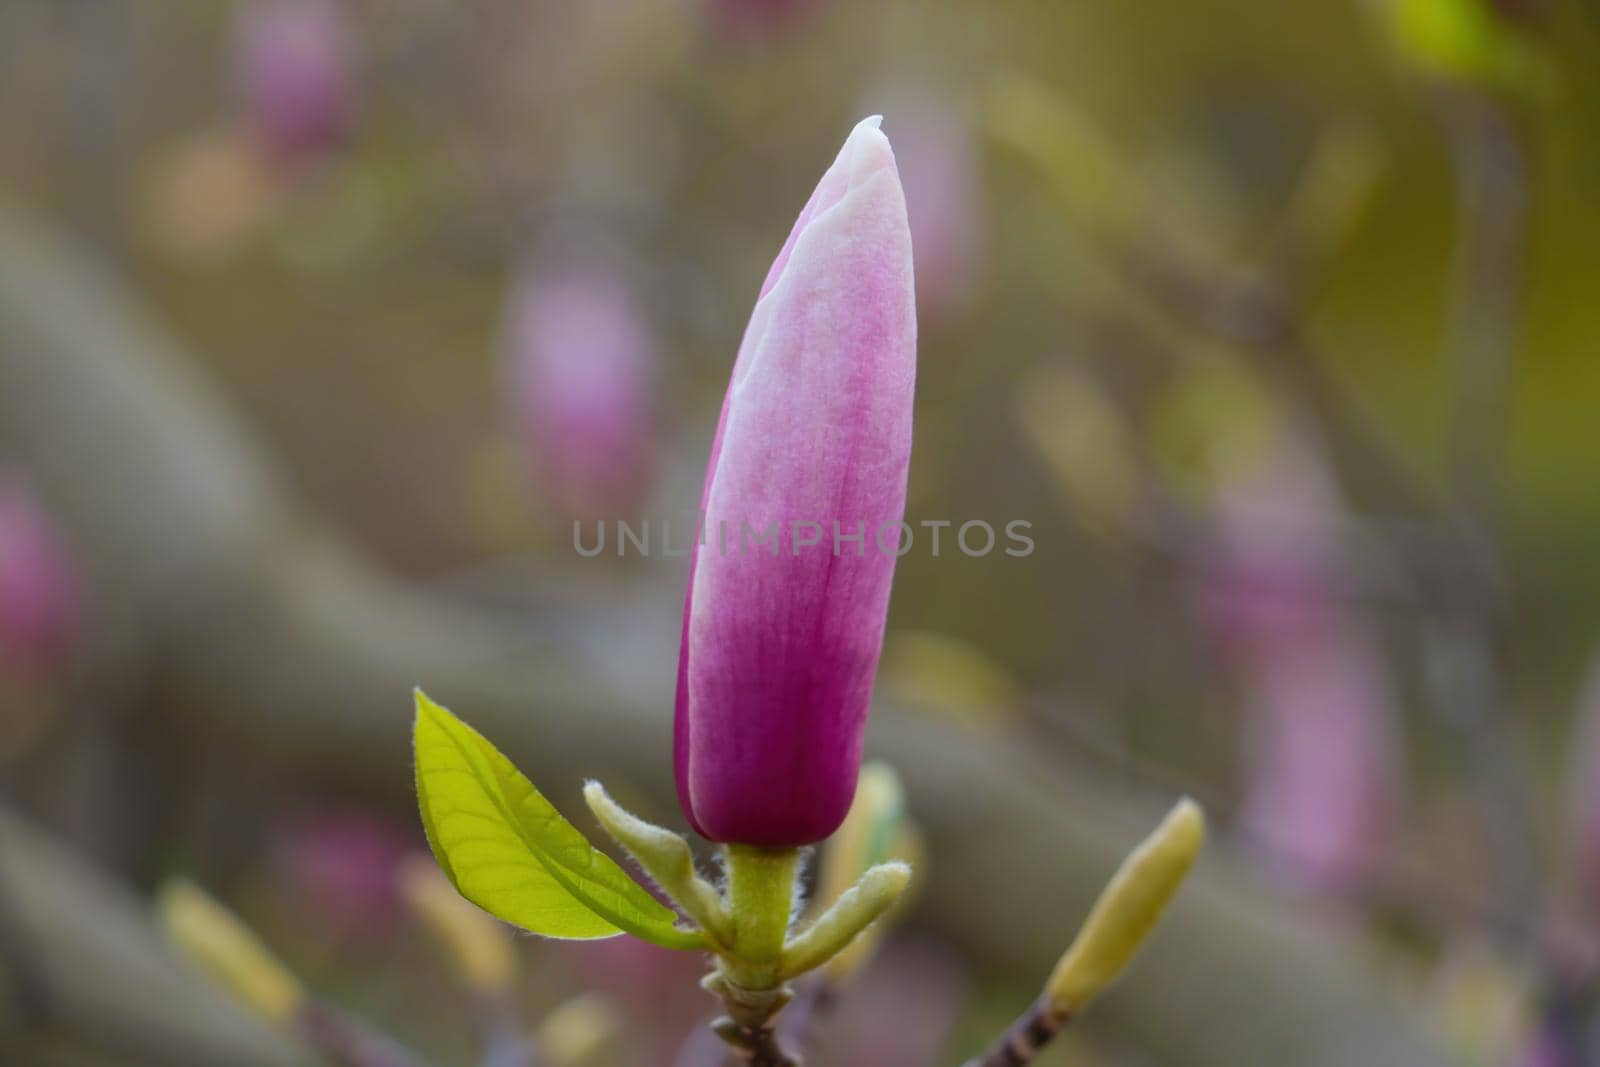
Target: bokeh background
322,321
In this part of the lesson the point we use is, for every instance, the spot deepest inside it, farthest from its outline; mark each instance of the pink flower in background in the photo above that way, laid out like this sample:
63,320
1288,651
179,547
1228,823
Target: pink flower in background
1324,780
781,642
1585,793
933,143
916,982
294,71
1549,1047
1322,750
581,365
38,590
657,984
340,865
1271,589
742,17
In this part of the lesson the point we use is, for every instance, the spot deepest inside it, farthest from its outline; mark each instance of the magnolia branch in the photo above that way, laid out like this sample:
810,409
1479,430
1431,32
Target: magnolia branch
758,1046
1022,1042
300,653
1469,681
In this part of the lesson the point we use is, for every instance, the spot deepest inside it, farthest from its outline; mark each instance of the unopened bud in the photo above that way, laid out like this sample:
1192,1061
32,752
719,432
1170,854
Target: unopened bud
478,945
1128,909
219,942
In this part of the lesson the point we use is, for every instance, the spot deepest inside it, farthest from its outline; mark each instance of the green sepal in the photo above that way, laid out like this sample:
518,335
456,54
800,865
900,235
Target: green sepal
666,857
846,919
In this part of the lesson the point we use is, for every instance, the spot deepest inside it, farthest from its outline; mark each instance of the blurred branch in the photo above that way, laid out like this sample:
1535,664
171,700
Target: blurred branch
1023,1040
285,645
813,1003
1491,194
702,1047
1452,564
349,1042
500,1034
99,972
1249,311
1469,674
1334,188
1249,307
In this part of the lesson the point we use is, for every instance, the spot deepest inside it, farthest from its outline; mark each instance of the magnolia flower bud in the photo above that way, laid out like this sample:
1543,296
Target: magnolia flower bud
38,593
580,358
294,76
789,591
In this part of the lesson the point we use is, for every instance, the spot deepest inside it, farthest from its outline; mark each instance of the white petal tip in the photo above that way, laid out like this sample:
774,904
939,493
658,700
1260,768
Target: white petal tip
868,150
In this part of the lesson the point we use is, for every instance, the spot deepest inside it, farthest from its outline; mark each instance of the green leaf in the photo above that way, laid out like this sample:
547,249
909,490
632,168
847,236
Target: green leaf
510,852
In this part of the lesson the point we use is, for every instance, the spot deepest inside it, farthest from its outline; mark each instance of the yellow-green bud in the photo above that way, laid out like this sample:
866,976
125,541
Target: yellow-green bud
577,1029
867,834
220,943
1128,909
478,945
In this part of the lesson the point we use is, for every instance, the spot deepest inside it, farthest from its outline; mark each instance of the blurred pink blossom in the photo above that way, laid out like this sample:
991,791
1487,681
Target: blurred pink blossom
658,987
1549,1047
919,984
1585,793
1270,591
1324,783
38,590
657,984
939,167
339,865
294,72
1322,745
743,17
580,365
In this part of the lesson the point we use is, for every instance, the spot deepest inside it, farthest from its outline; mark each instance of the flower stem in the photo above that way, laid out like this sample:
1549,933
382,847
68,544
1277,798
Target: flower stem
749,979
761,891
1022,1042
